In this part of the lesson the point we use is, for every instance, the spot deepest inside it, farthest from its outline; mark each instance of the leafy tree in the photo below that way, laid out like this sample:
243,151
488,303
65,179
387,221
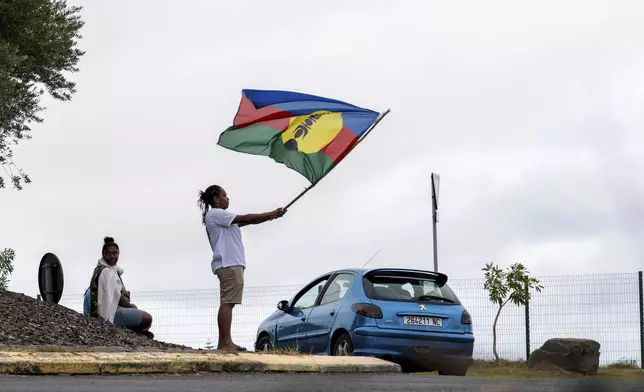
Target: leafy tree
6,266
37,47
513,285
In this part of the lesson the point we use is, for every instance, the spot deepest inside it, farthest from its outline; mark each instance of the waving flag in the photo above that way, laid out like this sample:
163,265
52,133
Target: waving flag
308,134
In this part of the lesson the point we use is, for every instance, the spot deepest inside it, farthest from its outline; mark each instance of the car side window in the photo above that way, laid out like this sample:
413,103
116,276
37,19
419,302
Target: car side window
307,300
337,289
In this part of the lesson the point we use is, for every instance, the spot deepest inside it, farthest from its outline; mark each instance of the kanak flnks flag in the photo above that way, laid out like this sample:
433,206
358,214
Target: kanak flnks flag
307,133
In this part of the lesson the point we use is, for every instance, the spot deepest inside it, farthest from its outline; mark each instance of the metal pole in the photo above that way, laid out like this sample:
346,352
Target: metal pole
48,283
435,179
435,240
641,284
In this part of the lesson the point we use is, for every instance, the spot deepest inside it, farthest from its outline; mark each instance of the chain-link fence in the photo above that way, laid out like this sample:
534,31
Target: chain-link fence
606,308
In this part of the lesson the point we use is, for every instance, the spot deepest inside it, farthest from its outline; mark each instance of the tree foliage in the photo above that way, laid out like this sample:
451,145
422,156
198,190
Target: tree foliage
6,266
37,48
513,286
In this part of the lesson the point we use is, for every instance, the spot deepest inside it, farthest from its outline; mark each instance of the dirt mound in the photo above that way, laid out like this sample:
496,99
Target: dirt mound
25,321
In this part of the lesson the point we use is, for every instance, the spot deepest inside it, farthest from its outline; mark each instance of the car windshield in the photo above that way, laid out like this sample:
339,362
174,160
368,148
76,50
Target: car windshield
407,289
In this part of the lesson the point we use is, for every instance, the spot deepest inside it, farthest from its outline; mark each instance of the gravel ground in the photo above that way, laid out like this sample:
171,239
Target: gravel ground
25,321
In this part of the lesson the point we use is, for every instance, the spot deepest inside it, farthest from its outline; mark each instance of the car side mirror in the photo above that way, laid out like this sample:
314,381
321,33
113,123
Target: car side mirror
282,305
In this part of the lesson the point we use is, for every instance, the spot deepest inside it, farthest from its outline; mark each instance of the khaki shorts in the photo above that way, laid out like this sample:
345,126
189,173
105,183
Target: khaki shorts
231,283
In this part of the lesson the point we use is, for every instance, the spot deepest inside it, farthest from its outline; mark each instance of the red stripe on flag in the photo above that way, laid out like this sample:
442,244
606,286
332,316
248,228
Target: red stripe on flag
247,114
280,124
337,149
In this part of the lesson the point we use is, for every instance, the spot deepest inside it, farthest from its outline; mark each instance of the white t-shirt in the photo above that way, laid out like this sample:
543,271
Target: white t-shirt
225,239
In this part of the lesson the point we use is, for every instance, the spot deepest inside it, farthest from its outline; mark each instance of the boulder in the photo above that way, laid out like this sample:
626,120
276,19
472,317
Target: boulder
573,355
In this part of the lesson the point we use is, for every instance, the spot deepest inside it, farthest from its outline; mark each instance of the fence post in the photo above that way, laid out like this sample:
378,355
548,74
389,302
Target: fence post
527,329
641,301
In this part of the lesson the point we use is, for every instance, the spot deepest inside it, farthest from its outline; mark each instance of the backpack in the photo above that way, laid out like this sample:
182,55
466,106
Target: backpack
86,302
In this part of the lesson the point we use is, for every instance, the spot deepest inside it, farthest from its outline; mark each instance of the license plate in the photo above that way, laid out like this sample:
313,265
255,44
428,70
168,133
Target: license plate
417,320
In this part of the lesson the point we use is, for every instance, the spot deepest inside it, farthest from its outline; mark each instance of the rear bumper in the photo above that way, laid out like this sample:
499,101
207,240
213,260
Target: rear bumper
433,351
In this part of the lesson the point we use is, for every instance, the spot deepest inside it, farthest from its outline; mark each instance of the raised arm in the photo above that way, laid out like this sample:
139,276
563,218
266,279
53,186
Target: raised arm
255,219
226,218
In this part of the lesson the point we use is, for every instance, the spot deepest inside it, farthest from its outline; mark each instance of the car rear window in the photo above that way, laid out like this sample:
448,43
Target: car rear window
407,289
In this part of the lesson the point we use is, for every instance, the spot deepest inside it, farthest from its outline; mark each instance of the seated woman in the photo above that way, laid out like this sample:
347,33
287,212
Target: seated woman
107,298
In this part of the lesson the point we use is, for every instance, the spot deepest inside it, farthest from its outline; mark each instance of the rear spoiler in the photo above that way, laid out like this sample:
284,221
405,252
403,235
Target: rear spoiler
438,277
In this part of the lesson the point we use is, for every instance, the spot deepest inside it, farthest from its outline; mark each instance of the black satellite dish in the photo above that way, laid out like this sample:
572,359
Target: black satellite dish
50,278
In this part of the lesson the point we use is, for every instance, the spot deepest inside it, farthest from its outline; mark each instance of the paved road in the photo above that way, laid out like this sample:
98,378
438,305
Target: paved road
304,382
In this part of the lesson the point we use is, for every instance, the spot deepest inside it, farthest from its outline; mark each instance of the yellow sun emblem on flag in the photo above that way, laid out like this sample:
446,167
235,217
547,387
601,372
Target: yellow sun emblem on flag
310,133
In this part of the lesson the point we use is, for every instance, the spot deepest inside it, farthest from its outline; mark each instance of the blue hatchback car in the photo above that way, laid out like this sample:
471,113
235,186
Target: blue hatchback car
410,317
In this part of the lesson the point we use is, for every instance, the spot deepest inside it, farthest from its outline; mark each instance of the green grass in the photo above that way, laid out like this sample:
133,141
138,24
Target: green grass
623,364
285,351
621,370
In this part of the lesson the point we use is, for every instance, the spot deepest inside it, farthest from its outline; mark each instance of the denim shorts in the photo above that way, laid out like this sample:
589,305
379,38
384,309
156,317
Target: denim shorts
128,317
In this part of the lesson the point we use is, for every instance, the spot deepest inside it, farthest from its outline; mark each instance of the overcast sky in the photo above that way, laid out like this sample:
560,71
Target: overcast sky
532,115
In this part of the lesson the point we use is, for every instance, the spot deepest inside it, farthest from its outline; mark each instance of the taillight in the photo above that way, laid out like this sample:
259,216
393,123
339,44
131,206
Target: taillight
367,310
466,318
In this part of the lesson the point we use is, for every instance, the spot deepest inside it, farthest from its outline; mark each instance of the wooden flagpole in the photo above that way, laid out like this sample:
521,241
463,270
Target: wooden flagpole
308,188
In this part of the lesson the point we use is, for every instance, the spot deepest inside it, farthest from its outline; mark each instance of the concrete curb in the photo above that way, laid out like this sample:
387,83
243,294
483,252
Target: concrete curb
85,363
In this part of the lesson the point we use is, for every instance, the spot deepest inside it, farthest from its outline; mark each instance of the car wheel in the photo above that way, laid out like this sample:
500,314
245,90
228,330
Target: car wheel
461,372
343,346
264,344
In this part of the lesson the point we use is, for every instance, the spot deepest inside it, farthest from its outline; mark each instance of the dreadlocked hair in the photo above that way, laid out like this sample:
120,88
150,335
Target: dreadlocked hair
205,200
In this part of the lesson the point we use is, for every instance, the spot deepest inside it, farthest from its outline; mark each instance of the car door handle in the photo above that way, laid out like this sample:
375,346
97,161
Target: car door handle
332,312
303,319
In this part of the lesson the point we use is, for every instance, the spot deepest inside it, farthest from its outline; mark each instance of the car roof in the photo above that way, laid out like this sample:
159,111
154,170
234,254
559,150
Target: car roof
364,271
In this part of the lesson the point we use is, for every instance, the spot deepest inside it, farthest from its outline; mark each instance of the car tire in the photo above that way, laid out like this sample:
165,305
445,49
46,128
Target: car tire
460,372
264,344
342,346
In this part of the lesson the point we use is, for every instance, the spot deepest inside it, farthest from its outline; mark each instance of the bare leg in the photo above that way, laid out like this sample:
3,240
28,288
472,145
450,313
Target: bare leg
146,323
224,321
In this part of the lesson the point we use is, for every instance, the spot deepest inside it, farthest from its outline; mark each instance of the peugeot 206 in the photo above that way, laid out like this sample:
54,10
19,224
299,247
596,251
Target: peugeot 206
410,317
